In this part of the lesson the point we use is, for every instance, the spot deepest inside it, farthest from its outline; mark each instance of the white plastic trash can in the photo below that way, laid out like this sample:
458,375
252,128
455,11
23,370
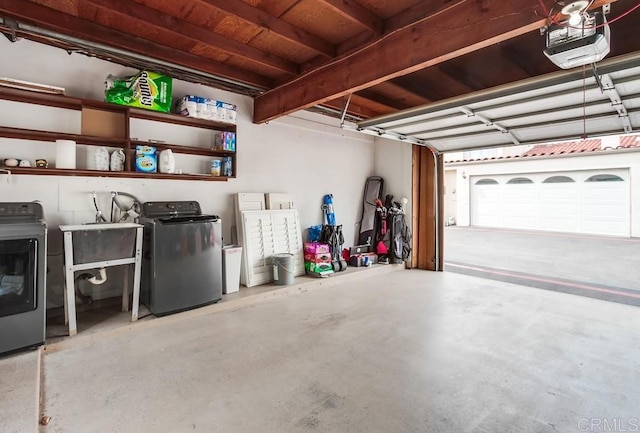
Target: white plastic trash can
231,261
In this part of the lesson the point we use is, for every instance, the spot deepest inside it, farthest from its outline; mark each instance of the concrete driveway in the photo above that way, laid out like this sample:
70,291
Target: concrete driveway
596,266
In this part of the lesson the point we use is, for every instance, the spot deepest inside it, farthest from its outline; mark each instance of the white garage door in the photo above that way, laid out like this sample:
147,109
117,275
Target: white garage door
592,202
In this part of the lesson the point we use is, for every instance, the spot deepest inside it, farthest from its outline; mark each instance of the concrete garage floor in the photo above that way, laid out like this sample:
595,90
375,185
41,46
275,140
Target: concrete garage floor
407,351
602,267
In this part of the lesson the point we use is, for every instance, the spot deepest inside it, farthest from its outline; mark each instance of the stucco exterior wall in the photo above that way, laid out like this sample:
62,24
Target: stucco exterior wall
461,173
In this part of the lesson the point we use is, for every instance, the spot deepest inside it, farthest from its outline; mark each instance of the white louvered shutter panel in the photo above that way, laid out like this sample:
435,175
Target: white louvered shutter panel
288,236
259,246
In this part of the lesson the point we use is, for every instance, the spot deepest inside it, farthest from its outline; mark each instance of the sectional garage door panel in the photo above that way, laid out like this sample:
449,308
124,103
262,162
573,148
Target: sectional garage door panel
590,202
543,109
522,209
560,209
605,207
487,206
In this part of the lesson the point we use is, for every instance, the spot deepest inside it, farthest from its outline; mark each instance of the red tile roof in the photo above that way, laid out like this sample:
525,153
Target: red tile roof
563,148
630,141
572,147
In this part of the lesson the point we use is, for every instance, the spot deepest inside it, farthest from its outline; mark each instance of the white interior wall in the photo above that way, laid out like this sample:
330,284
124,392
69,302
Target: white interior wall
305,154
603,161
393,162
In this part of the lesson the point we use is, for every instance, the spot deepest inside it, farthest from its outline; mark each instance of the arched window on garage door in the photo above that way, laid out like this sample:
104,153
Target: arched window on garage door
519,180
558,179
487,181
605,178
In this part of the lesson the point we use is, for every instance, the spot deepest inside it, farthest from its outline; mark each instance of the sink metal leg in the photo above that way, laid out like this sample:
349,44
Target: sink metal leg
136,276
127,288
64,297
69,287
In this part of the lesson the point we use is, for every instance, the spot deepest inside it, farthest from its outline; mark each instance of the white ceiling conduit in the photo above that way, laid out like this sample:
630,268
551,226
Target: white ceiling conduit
564,105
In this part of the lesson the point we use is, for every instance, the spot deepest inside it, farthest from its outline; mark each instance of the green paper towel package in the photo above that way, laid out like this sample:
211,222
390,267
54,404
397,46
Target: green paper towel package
146,89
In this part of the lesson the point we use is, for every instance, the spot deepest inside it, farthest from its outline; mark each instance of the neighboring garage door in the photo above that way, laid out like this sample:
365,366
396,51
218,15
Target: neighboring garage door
591,202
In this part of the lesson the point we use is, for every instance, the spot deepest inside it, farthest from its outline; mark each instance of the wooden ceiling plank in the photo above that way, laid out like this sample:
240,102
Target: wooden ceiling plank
402,93
199,34
382,100
468,29
54,20
462,76
268,22
369,104
517,60
356,13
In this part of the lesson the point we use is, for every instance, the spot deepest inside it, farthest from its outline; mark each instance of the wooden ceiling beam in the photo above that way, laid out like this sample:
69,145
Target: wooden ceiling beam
196,33
470,26
356,42
411,15
356,13
53,20
268,22
415,13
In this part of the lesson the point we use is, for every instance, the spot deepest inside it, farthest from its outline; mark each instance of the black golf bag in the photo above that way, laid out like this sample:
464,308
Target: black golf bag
399,238
393,238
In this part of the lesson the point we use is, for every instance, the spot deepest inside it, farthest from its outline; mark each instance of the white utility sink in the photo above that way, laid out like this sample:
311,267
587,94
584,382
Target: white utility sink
96,246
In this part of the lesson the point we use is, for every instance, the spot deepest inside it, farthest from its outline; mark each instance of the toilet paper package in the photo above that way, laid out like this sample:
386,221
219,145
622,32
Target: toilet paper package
226,112
187,106
206,108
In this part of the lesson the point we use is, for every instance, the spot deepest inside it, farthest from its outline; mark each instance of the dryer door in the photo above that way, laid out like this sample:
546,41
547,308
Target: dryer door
18,273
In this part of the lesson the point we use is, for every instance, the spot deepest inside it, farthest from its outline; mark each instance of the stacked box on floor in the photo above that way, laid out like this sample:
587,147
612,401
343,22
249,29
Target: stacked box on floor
317,259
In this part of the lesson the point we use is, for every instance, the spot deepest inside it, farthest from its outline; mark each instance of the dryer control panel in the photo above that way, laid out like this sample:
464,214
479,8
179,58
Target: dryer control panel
24,212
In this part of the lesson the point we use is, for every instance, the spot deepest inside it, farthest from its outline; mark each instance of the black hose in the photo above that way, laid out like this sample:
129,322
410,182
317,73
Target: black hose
113,198
95,204
85,298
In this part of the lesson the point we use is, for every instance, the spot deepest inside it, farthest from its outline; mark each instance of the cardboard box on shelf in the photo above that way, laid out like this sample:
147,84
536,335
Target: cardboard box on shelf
225,141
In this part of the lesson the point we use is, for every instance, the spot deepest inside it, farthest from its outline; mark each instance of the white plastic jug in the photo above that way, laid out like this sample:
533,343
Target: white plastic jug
167,162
